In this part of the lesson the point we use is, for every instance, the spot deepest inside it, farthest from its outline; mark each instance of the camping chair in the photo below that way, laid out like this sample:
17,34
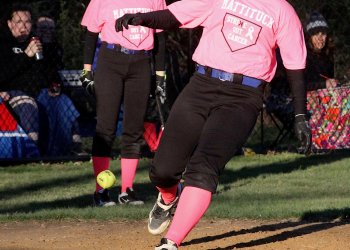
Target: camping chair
14,142
279,108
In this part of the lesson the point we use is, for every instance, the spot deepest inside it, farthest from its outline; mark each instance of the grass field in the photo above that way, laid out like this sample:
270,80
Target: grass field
279,186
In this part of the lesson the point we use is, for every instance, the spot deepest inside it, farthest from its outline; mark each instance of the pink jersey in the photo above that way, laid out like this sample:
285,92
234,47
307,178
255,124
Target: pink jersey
100,17
241,36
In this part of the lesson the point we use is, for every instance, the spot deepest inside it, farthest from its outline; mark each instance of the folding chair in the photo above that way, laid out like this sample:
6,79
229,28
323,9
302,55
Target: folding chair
279,108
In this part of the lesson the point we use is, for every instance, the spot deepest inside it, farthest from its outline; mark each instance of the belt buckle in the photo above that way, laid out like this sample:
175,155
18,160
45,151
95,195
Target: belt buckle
221,78
225,76
125,50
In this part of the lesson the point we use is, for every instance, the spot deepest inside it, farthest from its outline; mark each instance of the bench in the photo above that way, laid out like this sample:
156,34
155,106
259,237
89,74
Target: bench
70,78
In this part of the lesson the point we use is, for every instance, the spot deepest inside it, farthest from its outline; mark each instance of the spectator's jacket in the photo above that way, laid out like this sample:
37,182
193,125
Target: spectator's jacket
17,70
318,64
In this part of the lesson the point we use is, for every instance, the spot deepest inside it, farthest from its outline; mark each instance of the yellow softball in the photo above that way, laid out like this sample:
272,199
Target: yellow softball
106,179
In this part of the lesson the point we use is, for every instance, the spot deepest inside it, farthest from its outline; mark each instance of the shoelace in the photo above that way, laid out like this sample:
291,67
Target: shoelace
159,212
131,196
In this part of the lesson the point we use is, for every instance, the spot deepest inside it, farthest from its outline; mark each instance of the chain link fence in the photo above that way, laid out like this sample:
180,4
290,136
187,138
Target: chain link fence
46,114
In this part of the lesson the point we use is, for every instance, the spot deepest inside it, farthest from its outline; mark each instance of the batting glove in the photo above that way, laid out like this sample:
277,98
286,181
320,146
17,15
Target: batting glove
87,81
126,20
303,133
160,88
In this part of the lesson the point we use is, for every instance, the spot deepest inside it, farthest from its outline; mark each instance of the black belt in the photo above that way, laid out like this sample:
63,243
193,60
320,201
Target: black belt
230,77
119,48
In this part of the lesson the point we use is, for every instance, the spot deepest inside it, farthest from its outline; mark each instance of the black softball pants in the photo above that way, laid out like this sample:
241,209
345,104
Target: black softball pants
120,78
209,121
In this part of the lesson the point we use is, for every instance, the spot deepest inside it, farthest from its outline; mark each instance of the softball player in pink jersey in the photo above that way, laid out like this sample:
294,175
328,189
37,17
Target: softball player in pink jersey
216,112
123,74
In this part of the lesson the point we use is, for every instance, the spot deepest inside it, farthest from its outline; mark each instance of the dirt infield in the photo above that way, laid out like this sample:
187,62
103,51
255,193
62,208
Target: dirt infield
218,234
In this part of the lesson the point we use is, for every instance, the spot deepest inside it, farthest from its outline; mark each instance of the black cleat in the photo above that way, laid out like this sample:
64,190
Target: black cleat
103,199
129,197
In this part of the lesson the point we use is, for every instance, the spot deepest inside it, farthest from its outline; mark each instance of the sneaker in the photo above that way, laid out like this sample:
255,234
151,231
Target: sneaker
129,197
103,199
161,214
166,244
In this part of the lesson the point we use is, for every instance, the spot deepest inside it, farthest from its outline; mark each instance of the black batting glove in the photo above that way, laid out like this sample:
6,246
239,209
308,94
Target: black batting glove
87,81
303,133
126,20
160,88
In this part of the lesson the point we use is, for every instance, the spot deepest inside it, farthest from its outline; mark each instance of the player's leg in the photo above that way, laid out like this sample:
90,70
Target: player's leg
225,131
136,92
108,93
180,138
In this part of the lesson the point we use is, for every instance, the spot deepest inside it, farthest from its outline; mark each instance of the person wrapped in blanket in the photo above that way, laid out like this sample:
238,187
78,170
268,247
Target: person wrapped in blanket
319,71
31,85
320,59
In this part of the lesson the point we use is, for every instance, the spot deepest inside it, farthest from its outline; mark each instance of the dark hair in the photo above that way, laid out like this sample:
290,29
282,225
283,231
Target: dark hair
17,7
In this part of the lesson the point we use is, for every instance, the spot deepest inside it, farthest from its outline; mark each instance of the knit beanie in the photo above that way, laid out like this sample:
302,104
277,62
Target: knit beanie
317,23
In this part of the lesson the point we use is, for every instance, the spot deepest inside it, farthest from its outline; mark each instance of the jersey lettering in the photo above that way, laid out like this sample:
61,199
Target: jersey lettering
239,33
136,34
246,11
121,12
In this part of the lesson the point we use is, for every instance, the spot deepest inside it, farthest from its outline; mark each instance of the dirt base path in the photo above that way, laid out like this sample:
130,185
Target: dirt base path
218,234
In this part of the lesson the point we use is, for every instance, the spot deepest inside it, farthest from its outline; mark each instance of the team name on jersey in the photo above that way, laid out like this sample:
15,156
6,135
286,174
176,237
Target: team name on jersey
244,10
121,12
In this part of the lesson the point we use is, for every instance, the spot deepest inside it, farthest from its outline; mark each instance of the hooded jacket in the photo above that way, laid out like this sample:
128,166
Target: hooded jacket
17,70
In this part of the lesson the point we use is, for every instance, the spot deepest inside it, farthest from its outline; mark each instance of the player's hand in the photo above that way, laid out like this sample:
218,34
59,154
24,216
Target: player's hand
5,96
87,81
126,20
34,46
331,83
160,88
303,133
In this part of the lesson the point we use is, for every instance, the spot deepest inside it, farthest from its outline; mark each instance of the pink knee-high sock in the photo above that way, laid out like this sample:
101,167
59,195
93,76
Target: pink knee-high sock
99,164
168,194
192,205
128,167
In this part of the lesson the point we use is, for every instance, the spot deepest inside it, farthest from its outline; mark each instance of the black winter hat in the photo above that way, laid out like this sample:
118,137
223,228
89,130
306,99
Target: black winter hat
317,23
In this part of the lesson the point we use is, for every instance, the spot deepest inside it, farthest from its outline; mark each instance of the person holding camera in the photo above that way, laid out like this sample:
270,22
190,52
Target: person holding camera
31,87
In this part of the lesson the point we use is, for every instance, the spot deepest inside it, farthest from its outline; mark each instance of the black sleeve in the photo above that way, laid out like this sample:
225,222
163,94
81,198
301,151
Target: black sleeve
297,86
90,46
161,19
159,51
11,64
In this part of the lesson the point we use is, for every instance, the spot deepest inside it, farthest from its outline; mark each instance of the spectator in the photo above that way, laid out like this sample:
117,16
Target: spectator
123,74
320,62
30,86
52,50
59,108
319,70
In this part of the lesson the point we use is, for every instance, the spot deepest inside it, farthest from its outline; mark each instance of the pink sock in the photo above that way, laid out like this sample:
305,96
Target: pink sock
128,167
192,205
99,164
168,194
